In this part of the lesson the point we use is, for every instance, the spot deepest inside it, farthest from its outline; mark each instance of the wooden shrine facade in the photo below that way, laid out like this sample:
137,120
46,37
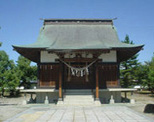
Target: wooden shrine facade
49,77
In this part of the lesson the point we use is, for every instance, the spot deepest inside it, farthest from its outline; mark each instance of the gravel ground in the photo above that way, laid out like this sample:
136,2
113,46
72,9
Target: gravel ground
141,101
8,111
12,106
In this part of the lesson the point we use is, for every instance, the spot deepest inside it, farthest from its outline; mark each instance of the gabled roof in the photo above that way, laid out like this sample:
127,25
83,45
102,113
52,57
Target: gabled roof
77,34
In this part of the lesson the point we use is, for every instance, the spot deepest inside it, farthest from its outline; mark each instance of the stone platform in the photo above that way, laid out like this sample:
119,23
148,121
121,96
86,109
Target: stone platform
51,95
79,114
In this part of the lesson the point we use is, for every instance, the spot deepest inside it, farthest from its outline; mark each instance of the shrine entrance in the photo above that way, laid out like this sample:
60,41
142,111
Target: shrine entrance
86,81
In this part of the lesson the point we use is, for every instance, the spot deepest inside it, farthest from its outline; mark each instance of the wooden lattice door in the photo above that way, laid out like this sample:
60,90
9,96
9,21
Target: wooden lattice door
48,75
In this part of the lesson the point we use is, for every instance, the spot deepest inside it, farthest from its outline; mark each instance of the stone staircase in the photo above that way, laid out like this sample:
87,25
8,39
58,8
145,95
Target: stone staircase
78,97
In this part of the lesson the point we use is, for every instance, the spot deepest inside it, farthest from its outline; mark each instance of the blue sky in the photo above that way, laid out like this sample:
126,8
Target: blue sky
20,20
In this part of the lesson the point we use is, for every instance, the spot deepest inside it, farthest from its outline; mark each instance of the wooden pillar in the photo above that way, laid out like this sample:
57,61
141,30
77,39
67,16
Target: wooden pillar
60,81
38,74
97,83
118,74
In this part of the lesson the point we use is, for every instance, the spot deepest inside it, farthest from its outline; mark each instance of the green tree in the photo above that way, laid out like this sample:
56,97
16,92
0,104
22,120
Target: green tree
12,78
128,68
150,82
142,73
4,66
8,75
26,71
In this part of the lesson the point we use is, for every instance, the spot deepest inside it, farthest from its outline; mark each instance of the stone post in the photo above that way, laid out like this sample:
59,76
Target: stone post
46,101
112,100
24,102
132,101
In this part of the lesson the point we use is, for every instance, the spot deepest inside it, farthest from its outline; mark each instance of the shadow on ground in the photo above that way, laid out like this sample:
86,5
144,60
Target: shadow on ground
7,104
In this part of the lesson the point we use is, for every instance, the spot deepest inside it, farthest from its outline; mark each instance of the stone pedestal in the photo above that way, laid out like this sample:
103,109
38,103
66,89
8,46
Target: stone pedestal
132,101
24,102
60,101
46,101
112,100
97,102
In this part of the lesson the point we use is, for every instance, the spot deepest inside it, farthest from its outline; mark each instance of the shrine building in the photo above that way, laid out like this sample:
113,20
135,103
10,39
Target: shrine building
77,58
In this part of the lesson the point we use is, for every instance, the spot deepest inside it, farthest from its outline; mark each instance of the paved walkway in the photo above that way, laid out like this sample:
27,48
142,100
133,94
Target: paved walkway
79,114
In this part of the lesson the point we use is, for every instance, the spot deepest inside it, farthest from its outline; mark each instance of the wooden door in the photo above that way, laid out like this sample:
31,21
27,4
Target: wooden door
49,75
108,76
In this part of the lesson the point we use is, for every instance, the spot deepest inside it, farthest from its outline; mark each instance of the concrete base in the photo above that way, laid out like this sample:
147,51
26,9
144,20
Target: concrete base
60,102
97,102
46,101
132,101
112,100
105,97
24,102
52,97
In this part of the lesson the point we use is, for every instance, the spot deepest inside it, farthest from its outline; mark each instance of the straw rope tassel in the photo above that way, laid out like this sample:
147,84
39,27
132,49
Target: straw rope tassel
69,74
78,71
86,73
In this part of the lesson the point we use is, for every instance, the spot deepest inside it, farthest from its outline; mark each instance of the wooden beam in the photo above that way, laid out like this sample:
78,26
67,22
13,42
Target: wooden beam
94,51
79,60
97,83
38,74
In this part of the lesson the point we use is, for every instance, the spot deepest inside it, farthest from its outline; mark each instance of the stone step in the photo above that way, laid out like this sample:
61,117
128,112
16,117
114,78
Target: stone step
78,96
78,90
78,93
79,103
79,100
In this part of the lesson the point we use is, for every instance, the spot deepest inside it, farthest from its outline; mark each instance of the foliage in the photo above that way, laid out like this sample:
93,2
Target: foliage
4,64
150,82
26,71
12,78
142,74
128,68
9,79
11,74
145,75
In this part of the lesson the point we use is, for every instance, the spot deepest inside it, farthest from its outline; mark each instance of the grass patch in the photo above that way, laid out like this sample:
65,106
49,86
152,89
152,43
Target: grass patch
151,95
144,92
